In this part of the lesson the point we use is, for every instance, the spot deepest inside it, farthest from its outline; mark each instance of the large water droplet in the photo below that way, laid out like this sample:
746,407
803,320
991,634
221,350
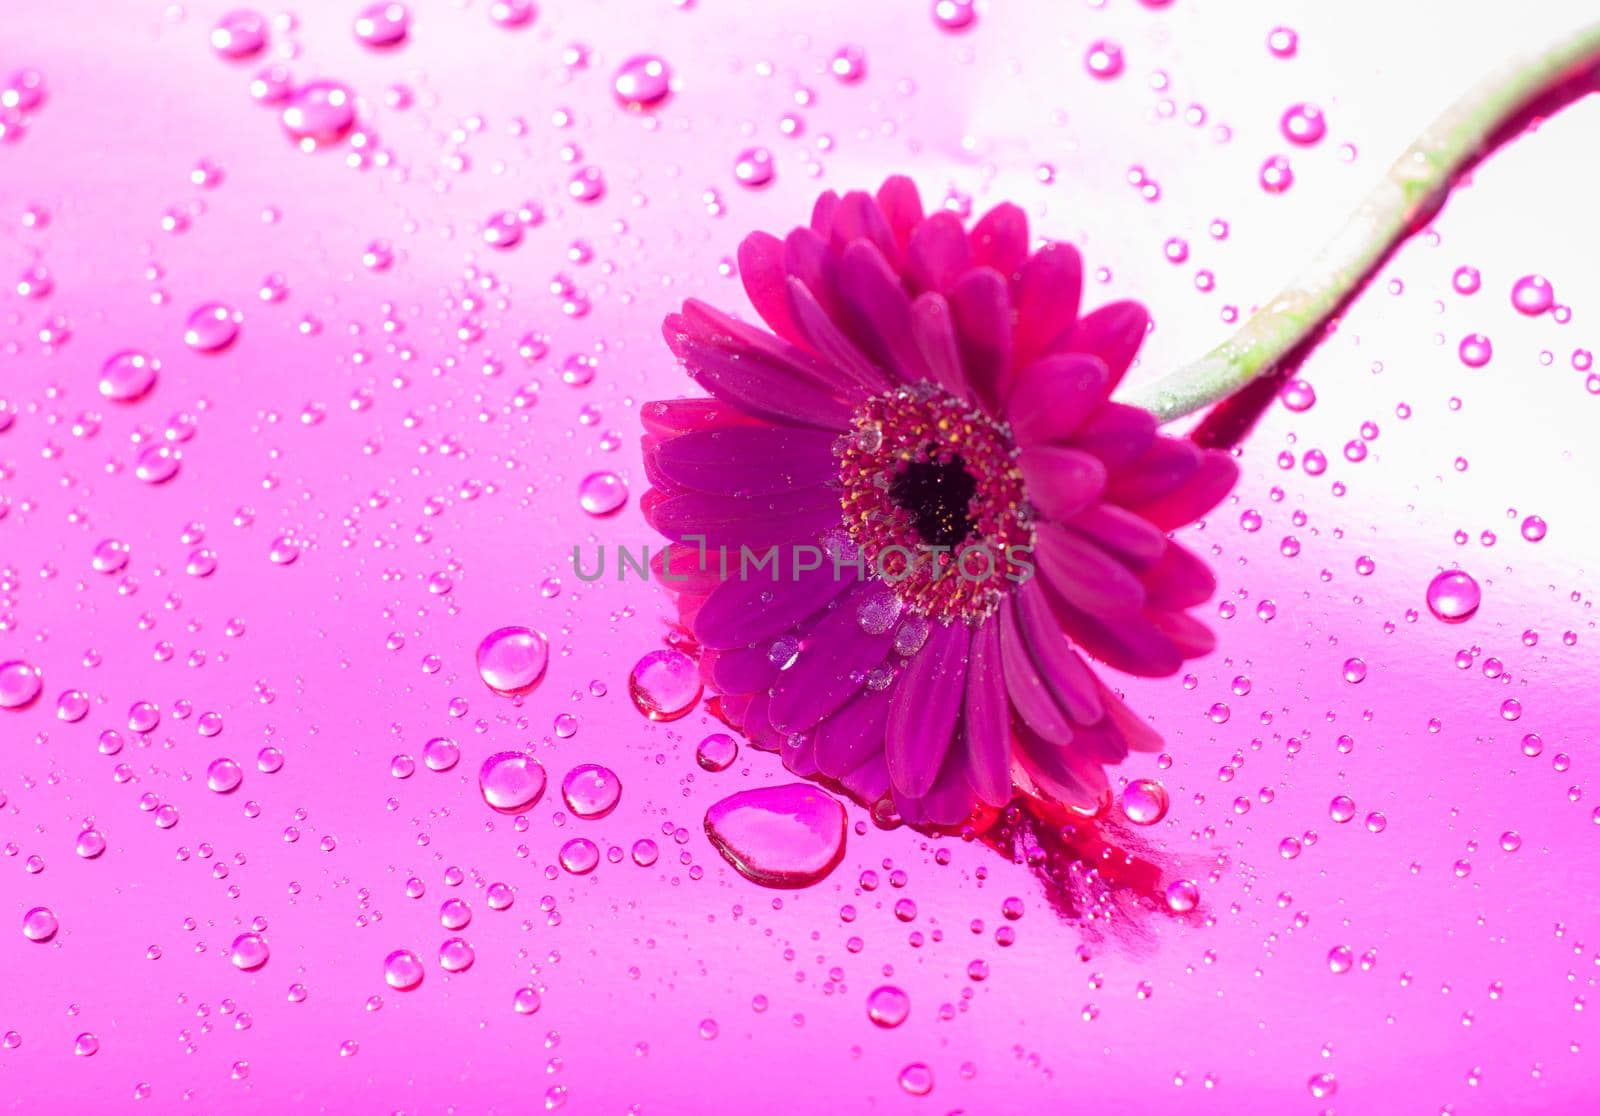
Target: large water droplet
665,685
250,951
128,376
224,775
456,956
1144,801
591,791
211,328
580,856
786,836
511,782
642,82
239,35
1532,295
888,1006
383,25
512,660
20,683
1454,596
40,924
717,752
402,970
319,114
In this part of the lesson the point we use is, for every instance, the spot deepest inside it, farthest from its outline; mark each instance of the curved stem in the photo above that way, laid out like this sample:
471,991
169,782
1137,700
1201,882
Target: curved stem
1388,214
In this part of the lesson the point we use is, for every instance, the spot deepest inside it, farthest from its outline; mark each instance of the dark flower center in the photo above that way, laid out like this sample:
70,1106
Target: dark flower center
938,496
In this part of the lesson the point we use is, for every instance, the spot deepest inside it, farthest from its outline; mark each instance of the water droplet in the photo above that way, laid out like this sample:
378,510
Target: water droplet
128,376
784,836
319,114
503,230
1454,596
40,924
717,752
1532,295
224,775
1144,802
1283,42
249,952
511,782
591,791
1183,896
602,494
455,914
441,753
513,13
642,82
109,556
456,956
754,167
20,683
86,1045
211,328
665,685
1341,808
1340,959
402,970
157,464
587,185
1322,1085
580,856
955,15
917,1079
1534,529
645,852
239,35
1104,60
91,843
888,1006
1276,175
1303,124
382,26
1355,671
525,1001
512,660
1475,350
848,64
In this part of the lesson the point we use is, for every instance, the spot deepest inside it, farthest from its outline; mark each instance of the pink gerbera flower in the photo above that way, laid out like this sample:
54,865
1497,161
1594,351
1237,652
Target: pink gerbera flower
929,410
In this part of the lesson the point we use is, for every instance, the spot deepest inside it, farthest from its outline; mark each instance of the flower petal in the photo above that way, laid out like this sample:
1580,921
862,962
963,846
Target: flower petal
902,208
762,272
798,516
747,460
822,212
667,418
1113,333
764,390
742,670
1070,680
853,735
925,709
752,607
981,307
1161,468
1117,434
935,332
1084,575
1061,482
859,218
1052,398
948,802
1000,239
1049,285
878,313
1203,490
986,718
1179,580
1030,694
870,781
829,342
1060,772
678,566
938,254
1125,534
832,663
1136,644
1191,638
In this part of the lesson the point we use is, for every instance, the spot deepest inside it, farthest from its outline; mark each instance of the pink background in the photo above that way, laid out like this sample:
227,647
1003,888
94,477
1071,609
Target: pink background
423,465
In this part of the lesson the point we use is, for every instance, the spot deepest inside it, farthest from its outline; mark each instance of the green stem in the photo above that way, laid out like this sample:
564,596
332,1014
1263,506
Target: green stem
1388,214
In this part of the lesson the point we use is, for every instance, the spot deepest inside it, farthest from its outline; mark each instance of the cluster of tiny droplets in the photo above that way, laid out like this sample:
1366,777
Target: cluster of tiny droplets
921,424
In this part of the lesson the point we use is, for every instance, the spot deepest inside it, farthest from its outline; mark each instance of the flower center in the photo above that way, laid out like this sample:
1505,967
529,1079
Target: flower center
933,499
938,496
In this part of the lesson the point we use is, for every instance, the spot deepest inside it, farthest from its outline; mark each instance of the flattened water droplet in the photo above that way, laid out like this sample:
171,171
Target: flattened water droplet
20,683
642,82
1144,801
602,494
40,924
665,685
591,791
319,114
511,782
1454,596
512,660
128,376
888,1006
250,951
717,752
785,836
211,327
382,26
224,775
239,35
402,970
